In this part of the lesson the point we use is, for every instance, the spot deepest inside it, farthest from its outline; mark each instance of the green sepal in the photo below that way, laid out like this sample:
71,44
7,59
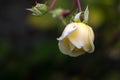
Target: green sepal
86,15
70,17
82,16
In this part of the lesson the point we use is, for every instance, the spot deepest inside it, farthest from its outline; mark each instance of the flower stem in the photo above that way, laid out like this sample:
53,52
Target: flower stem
73,5
79,5
52,4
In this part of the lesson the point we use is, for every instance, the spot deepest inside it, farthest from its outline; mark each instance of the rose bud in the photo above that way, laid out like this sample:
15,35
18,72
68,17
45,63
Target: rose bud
76,39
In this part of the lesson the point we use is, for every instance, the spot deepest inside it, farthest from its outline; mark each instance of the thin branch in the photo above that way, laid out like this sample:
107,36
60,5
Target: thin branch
79,5
73,5
52,4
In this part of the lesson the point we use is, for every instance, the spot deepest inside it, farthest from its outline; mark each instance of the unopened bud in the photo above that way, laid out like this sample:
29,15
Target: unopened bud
38,9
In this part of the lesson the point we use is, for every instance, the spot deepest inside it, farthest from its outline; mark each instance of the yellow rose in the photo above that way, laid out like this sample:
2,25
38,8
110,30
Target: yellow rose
76,39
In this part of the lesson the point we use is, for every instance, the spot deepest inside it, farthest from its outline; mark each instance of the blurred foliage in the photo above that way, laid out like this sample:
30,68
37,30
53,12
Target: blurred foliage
45,22
28,45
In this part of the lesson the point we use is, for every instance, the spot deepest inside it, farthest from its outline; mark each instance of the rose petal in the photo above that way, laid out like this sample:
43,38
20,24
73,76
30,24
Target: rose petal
77,52
79,37
68,30
89,46
64,46
71,46
68,48
91,39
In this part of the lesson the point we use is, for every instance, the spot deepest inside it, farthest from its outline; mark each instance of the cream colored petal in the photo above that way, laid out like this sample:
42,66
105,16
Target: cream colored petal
64,46
89,46
77,52
68,48
91,39
79,37
68,30
91,33
71,46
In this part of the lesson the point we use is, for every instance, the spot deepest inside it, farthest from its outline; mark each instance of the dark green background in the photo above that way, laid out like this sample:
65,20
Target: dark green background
29,49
